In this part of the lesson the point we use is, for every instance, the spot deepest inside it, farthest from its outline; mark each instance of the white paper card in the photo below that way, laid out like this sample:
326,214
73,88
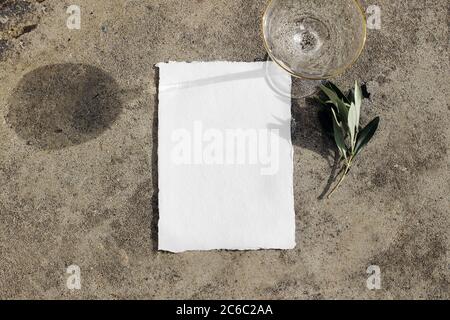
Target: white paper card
225,158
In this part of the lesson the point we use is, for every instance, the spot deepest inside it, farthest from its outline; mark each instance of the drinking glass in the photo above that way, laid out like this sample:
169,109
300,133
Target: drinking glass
314,40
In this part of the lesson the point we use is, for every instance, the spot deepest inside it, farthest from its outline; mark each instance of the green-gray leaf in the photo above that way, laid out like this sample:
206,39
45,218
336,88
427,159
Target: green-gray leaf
366,135
343,111
358,102
351,96
352,124
340,95
322,102
341,106
338,136
330,93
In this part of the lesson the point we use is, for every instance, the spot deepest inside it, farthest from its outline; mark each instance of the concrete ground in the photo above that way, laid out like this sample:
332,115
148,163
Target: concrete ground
78,168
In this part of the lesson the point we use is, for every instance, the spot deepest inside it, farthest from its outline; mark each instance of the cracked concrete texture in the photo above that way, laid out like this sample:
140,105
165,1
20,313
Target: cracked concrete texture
78,165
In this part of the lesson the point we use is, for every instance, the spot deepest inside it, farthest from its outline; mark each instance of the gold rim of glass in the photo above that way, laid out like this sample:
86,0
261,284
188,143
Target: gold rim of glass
338,71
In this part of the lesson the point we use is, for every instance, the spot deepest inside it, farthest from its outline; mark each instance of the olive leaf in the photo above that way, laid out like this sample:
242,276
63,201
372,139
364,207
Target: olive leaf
342,108
338,136
352,125
358,102
351,96
364,93
354,114
330,85
323,102
345,112
331,94
366,135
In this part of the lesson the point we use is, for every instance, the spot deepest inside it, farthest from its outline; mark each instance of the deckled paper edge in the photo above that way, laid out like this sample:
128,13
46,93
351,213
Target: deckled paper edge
288,247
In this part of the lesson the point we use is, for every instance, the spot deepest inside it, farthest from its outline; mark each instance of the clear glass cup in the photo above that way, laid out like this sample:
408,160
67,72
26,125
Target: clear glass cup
314,39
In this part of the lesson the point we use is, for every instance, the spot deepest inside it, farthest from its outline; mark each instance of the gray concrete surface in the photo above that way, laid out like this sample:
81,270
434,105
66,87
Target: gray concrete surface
78,167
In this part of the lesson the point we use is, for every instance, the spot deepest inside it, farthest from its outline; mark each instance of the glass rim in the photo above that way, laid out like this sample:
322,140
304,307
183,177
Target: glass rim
302,76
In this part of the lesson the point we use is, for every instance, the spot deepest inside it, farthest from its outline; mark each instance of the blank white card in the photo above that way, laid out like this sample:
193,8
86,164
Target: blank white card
225,158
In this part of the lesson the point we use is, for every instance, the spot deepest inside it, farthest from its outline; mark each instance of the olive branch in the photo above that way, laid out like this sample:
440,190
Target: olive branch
349,136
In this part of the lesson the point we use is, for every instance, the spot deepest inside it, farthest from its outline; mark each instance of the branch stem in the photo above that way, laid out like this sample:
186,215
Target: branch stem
347,168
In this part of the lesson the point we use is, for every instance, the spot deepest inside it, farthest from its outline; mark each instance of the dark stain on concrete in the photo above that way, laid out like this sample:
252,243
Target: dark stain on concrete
61,105
3,48
12,8
26,29
15,18
136,228
413,259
